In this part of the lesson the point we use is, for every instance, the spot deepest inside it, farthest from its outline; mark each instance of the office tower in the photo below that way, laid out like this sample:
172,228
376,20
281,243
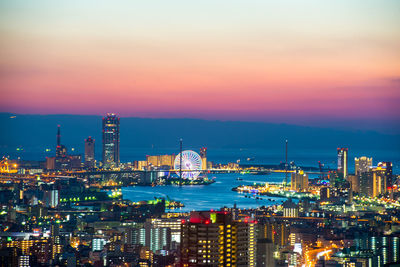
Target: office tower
203,155
299,181
110,141
215,239
342,154
89,153
362,164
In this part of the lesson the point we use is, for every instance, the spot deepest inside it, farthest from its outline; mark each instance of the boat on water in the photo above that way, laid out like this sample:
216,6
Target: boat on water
239,179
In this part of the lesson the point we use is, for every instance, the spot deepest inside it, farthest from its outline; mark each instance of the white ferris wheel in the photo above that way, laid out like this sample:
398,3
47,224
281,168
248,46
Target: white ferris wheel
191,164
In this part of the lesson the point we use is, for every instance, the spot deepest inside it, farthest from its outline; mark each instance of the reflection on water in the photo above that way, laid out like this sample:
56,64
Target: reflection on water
205,197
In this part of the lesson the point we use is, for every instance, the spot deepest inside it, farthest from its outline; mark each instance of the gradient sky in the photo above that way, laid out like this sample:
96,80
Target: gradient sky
304,62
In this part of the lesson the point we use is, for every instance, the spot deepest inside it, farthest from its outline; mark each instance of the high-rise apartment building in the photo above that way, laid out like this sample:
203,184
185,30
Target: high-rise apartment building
362,164
342,166
215,239
299,181
110,141
89,153
373,182
388,169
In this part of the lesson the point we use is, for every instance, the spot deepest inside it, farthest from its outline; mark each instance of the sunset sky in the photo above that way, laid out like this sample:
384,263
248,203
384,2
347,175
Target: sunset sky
303,62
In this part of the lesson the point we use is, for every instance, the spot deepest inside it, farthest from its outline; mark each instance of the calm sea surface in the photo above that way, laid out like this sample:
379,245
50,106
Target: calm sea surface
219,194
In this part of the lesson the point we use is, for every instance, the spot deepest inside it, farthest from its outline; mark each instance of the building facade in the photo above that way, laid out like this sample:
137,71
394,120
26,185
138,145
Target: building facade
362,164
215,239
342,157
299,181
110,141
89,153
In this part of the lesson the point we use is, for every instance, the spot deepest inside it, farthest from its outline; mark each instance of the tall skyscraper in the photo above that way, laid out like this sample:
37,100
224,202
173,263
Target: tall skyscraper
89,153
110,140
61,150
215,239
362,164
342,154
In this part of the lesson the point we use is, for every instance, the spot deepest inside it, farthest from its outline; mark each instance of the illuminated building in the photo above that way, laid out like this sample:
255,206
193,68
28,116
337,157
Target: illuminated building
388,166
278,232
373,182
51,198
299,181
362,164
161,160
89,153
214,239
154,238
203,155
290,209
342,154
172,223
324,193
110,141
98,244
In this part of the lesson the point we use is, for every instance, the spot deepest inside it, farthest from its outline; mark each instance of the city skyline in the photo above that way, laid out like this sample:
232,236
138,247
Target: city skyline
314,64
211,133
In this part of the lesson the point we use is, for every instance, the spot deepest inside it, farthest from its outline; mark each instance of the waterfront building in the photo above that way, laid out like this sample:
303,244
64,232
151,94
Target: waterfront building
161,161
342,159
362,164
203,155
110,141
215,239
299,181
89,153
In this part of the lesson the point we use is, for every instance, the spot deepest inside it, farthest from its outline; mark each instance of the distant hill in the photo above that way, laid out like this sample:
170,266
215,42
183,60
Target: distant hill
34,132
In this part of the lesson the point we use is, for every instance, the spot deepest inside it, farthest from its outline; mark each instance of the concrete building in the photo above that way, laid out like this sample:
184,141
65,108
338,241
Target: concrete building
215,239
299,181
